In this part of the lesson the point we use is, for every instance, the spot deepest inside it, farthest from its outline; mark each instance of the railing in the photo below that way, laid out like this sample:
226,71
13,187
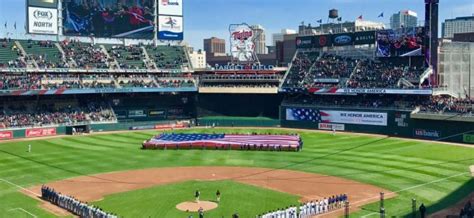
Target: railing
82,70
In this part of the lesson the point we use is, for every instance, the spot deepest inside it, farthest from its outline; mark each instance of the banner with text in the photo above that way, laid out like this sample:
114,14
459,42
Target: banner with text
29,133
42,20
330,116
170,28
4,135
170,7
331,126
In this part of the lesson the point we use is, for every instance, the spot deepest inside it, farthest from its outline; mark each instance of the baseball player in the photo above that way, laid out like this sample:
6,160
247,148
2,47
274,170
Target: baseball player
196,195
201,212
218,195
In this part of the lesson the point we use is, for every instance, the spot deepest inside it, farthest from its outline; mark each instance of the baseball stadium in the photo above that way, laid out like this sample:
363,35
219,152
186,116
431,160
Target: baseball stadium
106,111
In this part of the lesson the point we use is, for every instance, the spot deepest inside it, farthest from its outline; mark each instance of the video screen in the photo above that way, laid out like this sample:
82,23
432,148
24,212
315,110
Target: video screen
400,42
108,18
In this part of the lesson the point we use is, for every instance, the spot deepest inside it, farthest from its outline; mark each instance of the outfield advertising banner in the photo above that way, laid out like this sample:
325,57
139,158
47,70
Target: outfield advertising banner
331,126
170,7
342,39
30,133
467,138
427,133
170,28
4,135
364,38
305,42
331,116
42,20
343,91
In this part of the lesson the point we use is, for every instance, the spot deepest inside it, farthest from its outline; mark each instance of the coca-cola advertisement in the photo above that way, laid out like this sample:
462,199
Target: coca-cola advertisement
29,133
242,44
4,135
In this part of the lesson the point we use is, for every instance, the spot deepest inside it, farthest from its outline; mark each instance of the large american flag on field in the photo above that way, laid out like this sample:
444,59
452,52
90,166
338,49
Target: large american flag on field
225,139
307,114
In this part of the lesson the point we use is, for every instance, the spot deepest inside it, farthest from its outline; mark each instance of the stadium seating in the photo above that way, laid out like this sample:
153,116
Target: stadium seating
309,70
300,66
44,53
18,114
128,57
167,57
9,54
84,55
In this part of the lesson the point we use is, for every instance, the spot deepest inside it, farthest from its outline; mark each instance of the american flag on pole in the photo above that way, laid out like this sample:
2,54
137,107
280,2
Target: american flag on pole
225,139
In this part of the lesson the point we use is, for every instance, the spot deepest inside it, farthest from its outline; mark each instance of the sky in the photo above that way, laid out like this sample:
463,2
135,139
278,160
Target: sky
207,18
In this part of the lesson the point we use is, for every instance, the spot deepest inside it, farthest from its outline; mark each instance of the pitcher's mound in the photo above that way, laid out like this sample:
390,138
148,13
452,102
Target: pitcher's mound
194,206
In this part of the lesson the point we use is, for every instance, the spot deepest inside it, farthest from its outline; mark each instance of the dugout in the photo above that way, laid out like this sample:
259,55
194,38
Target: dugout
78,129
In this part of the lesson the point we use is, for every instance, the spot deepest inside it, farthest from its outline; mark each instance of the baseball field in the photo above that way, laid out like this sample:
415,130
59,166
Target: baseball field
111,171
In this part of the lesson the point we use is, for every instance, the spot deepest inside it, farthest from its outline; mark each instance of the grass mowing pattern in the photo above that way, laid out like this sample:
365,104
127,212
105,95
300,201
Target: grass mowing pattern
390,163
245,199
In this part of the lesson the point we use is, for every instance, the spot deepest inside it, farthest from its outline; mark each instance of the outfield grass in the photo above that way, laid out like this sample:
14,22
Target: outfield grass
245,199
390,163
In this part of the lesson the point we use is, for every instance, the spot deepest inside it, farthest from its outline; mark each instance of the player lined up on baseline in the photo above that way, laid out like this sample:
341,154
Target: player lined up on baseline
309,209
73,205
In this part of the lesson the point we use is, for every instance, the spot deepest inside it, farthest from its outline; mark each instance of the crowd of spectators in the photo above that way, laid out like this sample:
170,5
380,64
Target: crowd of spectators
426,104
46,54
371,74
175,83
90,81
21,115
447,104
467,211
50,58
128,57
73,205
332,66
136,81
85,55
13,54
308,70
361,101
300,68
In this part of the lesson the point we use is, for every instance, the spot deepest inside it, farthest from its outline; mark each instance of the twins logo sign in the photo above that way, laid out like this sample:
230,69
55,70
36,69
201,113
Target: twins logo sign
242,42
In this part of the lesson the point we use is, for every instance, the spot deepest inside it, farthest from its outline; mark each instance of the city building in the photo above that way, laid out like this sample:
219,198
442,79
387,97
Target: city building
463,37
457,25
198,59
332,28
260,40
279,36
455,68
214,46
285,50
405,18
